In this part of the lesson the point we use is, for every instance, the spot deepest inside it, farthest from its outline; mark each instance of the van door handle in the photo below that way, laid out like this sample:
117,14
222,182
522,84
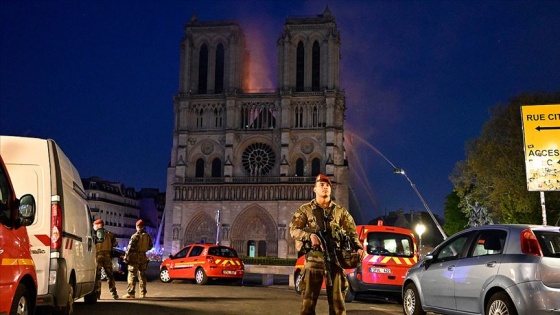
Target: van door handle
491,264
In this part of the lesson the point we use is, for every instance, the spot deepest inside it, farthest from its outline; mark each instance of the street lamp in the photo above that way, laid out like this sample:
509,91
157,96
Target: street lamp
420,229
401,171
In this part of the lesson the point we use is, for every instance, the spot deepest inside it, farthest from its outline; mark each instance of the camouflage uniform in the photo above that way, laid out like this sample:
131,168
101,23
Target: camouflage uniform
103,258
306,220
140,243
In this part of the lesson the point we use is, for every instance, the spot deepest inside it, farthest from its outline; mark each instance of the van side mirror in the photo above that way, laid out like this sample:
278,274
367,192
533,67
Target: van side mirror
27,210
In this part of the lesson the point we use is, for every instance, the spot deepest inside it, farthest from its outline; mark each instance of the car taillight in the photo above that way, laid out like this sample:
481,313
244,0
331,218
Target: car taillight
56,226
210,259
530,244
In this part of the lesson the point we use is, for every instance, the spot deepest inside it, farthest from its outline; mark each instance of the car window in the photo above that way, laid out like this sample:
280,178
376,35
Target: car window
452,249
389,244
489,242
550,242
196,251
5,213
222,252
183,252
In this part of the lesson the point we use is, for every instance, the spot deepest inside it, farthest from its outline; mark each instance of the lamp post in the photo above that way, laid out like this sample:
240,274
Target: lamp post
217,227
420,229
402,172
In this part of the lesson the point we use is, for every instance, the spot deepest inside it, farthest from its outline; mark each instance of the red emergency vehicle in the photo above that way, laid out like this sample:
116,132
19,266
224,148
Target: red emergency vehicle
18,279
389,252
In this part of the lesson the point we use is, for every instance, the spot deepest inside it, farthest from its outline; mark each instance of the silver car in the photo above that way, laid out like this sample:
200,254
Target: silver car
490,269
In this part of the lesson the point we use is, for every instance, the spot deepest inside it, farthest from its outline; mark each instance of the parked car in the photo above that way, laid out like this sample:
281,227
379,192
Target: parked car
120,269
490,269
201,262
18,279
389,252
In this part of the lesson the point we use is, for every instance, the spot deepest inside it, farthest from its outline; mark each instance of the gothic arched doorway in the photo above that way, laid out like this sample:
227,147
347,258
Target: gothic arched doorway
255,226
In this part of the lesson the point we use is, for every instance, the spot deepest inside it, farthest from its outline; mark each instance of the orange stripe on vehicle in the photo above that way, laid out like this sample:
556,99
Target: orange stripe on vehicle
17,262
409,261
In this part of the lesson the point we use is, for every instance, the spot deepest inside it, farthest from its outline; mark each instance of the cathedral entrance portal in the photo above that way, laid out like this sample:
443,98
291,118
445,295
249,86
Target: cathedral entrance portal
254,233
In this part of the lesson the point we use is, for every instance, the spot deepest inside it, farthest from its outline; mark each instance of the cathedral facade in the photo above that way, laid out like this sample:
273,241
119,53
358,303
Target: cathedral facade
243,161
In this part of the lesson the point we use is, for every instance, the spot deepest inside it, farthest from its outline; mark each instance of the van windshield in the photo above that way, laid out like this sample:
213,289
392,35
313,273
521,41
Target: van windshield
389,244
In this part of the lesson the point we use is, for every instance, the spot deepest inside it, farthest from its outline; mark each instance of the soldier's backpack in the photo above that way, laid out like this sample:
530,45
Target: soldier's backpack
144,242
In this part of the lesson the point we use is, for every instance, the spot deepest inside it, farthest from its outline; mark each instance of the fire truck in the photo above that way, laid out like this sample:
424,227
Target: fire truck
389,252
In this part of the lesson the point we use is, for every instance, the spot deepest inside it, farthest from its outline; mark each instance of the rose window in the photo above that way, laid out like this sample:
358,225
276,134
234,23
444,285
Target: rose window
258,159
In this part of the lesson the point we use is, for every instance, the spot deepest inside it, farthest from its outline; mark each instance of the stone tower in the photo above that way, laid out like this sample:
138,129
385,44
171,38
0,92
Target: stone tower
243,161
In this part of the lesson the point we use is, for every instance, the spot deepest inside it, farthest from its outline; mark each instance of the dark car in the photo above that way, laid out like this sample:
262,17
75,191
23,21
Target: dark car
120,269
489,269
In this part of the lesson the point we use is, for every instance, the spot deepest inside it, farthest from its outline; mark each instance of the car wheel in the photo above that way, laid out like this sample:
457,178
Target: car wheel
68,309
297,281
411,301
200,276
500,304
91,297
21,301
164,276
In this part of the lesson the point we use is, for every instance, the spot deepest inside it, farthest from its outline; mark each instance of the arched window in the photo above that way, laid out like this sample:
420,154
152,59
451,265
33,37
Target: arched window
219,74
199,168
300,67
315,67
299,116
217,168
315,167
203,70
299,167
218,117
199,117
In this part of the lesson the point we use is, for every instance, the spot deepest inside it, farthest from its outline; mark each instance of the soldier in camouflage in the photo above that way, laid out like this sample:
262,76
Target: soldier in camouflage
322,214
135,256
104,244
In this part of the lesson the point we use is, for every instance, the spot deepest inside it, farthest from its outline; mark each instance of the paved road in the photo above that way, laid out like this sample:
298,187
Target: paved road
184,297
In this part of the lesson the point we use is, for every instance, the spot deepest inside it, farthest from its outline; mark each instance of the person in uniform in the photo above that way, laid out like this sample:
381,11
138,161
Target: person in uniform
321,218
140,243
104,243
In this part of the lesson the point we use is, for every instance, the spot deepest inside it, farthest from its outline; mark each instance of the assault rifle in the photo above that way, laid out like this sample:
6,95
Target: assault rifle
326,255
322,233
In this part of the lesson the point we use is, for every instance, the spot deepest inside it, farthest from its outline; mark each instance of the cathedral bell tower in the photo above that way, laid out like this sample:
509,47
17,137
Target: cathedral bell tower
243,161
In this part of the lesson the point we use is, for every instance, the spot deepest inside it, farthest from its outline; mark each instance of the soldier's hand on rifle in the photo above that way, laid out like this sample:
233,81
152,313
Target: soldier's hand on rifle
316,242
360,253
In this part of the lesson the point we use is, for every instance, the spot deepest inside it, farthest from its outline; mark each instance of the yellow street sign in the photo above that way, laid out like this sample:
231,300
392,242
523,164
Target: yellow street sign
541,135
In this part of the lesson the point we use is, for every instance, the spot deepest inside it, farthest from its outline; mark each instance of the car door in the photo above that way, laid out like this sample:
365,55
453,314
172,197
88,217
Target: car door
478,269
194,259
178,264
437,281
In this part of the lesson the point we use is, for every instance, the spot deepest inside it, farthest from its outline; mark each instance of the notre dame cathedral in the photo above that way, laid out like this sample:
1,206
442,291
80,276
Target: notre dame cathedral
243,161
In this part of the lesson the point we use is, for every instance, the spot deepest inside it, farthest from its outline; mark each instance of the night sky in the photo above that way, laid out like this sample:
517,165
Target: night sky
420,77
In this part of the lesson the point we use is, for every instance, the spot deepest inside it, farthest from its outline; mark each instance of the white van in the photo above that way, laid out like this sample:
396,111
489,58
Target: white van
61,235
